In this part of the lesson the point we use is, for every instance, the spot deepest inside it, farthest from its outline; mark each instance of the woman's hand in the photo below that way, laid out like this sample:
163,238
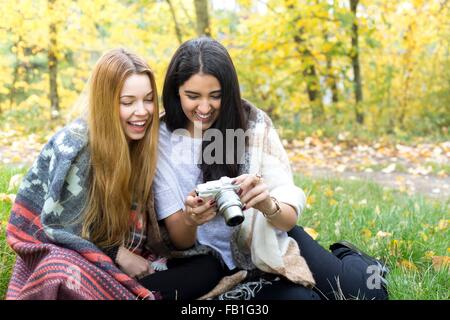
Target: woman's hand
197,211
254,193
132,264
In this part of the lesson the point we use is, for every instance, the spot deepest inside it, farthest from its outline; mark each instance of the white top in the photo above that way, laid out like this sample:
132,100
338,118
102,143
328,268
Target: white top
177,174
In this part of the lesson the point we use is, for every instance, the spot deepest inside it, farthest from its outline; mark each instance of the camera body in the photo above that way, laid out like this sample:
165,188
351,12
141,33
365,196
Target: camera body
228,202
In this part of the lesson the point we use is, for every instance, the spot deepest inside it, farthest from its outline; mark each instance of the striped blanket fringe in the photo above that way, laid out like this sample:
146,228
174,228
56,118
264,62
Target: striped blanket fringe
46,271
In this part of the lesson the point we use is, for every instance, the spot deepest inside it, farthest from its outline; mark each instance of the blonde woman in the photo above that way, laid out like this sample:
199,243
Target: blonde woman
83,219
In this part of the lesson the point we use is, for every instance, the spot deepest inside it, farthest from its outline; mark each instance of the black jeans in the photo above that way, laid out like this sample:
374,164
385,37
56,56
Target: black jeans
337,279
185,278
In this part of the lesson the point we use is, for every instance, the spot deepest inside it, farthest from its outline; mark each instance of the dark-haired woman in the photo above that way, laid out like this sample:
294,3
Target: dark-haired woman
209,132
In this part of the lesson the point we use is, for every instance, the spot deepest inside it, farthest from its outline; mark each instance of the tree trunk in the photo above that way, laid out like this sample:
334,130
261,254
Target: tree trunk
53,64
331,77
201,11
332,80
309,73
175,21
357,82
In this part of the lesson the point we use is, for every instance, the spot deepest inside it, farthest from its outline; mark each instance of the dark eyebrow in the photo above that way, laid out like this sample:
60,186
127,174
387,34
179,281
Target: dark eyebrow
193,92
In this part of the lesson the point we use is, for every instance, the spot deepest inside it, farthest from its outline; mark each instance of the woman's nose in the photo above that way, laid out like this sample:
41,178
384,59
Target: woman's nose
204,106
140,108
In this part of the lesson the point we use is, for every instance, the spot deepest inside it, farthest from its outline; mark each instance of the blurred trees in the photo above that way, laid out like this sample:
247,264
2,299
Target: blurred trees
310,62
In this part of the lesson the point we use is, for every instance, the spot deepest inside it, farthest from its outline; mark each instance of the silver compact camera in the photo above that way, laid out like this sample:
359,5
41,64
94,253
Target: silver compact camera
228,202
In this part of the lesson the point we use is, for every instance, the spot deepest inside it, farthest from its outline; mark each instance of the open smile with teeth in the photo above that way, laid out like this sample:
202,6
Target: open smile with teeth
138,123
203,116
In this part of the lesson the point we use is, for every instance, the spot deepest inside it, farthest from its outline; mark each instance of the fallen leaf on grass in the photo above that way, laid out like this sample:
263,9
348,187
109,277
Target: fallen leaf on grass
332,202
443,224
312,233
329,193
394,247
429,254
311,199
423,235
440,262
408,265
382,234
8,198
14,182
366,233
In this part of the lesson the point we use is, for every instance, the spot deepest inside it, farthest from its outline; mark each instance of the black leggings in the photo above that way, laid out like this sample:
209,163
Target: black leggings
185,278
336,278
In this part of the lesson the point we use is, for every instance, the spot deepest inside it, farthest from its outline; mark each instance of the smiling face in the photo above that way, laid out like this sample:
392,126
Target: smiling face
136,106
200,98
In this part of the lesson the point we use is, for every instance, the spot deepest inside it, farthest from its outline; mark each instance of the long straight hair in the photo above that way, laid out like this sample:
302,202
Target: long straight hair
206,56
122,173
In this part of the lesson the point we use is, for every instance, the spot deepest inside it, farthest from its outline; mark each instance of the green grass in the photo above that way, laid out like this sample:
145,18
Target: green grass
357,211
7,256
354,211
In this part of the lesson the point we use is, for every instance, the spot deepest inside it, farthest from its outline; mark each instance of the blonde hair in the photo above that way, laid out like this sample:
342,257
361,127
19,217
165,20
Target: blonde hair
121,173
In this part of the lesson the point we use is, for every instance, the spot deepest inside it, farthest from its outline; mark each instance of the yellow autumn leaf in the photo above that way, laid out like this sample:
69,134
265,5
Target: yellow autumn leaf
394,247
423,235
329,193
312,233
332,202
311,199
443,224
429,254
366,233
8,198
440,262
408,265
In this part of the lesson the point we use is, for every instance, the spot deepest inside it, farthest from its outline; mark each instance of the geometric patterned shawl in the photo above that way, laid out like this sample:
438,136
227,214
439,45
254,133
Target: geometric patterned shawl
53,261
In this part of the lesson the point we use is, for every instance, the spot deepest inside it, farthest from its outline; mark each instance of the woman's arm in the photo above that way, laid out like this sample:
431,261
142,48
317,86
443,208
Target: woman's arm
182,225
254,193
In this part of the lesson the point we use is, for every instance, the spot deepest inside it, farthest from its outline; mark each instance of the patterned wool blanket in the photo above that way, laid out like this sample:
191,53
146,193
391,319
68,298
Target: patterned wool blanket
53,261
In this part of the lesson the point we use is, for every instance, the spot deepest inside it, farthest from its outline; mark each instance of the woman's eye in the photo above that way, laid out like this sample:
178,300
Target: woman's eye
126,104
148,100
192,97
216,97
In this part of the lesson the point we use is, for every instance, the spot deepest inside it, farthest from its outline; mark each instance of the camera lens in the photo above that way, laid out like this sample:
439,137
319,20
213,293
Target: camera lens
230,207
